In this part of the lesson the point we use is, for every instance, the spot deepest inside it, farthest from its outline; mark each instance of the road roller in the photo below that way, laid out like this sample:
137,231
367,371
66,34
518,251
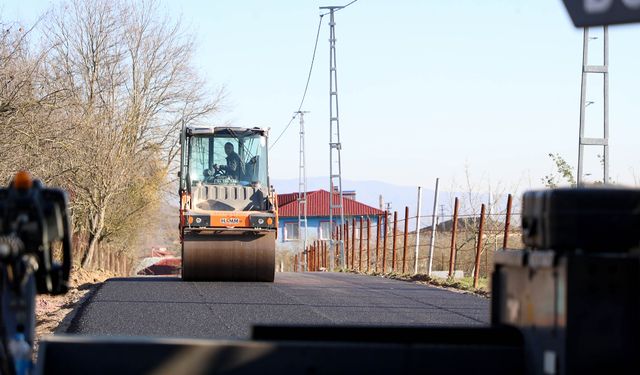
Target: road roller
228,210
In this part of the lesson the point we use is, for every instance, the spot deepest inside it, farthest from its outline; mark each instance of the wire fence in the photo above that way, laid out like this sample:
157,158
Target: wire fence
461,242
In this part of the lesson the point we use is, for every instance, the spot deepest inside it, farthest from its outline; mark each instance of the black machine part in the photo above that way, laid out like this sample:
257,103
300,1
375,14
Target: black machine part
38,217
599,219
33,219
574,293
578,312
294,350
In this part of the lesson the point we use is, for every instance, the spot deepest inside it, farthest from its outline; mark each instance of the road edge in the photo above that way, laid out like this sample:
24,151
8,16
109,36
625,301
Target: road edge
426,280
71,318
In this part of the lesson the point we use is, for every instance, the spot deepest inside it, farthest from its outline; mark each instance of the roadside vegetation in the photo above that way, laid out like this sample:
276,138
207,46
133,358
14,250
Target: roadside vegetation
55,313
92,98
464,284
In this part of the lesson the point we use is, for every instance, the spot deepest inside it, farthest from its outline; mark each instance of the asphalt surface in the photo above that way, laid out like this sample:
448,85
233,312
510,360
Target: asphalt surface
169,307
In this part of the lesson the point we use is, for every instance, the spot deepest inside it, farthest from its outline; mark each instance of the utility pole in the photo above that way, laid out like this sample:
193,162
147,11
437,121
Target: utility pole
335,167
586,70
302,195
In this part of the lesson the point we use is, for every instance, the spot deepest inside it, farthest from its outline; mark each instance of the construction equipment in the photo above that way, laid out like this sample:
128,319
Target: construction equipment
228,211
573,292
34,221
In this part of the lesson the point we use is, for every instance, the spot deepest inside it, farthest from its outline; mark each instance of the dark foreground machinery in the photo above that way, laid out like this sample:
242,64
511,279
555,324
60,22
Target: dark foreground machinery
574,294
568,304
33,222
228,215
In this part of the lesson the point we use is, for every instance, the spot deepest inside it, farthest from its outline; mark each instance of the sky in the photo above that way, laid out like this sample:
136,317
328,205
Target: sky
426,89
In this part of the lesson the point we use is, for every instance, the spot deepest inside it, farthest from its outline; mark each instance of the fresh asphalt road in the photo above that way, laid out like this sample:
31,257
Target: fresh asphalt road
169,307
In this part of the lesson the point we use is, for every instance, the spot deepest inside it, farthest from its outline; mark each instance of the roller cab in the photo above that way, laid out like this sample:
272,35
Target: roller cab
228,218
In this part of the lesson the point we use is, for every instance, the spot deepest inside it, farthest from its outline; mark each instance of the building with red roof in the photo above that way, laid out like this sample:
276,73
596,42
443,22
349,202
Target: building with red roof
318,216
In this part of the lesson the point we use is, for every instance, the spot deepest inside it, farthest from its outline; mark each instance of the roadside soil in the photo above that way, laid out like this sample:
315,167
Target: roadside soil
51,310
464,285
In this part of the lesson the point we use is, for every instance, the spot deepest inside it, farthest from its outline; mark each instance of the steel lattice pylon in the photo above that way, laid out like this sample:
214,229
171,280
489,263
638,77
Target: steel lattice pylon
582,140
302,196
335,167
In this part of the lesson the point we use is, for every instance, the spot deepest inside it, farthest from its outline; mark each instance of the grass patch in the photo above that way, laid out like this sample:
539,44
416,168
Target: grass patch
463,284
466,283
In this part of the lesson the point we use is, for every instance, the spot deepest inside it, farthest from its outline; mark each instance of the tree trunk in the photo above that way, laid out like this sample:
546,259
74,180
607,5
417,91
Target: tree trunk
96,231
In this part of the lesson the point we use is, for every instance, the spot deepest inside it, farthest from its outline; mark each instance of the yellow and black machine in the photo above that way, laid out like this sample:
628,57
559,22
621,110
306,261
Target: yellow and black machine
228,211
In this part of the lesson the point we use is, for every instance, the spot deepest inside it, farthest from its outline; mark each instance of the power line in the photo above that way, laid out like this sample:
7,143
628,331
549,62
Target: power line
348,4
337,8
306,86
313,59
282,133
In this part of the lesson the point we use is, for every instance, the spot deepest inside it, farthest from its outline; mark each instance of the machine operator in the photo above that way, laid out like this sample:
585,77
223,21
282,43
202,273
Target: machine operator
235,166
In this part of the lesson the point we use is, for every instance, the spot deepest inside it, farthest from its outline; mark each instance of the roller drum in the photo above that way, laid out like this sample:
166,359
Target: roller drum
228,256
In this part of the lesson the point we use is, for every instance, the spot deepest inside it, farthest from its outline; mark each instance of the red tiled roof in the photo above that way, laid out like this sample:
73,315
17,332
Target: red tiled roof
318,205
287,198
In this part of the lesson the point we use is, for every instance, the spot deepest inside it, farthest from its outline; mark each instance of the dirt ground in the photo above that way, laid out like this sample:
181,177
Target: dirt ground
51,310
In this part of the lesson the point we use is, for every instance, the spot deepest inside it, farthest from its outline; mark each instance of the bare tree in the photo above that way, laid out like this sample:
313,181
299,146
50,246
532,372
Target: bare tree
125,84
471,199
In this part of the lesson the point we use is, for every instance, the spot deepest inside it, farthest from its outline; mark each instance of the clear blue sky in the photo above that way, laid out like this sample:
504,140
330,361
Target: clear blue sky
426,87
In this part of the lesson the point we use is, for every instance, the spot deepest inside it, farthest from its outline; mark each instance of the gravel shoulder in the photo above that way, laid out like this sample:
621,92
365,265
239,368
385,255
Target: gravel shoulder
52,311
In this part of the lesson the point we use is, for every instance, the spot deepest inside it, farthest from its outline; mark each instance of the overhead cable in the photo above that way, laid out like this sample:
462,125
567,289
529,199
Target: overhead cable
306,86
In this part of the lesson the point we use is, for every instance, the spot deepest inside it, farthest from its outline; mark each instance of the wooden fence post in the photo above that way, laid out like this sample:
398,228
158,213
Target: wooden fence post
337,249
384,242
368,242
326,254
346,243
395,235
476,272
507,222
454,229
360,247
353,242
378,242
404,243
